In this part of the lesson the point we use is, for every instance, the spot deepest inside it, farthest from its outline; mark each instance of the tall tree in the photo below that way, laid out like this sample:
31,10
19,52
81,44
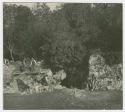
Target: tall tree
9,28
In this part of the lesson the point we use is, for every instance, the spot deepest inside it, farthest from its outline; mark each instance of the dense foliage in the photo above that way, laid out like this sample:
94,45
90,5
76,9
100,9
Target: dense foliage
64,37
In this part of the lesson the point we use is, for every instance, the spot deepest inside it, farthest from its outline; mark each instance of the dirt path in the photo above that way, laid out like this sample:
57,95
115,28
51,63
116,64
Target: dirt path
63,100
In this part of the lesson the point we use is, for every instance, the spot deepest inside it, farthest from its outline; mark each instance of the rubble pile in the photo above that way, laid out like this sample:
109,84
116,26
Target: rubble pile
102,76
35,80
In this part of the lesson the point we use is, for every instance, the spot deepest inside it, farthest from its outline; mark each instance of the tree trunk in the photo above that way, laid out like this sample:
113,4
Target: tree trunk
11,54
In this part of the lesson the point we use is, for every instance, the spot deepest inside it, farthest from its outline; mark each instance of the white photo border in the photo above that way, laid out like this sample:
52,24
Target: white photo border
54,1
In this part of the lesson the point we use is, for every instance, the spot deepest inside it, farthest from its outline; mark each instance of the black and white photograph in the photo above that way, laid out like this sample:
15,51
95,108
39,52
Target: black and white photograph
62,56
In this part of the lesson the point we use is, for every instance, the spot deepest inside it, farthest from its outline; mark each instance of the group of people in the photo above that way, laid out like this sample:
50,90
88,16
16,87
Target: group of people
27,64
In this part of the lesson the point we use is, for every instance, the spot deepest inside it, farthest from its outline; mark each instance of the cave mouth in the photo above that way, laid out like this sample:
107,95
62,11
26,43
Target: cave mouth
75,83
